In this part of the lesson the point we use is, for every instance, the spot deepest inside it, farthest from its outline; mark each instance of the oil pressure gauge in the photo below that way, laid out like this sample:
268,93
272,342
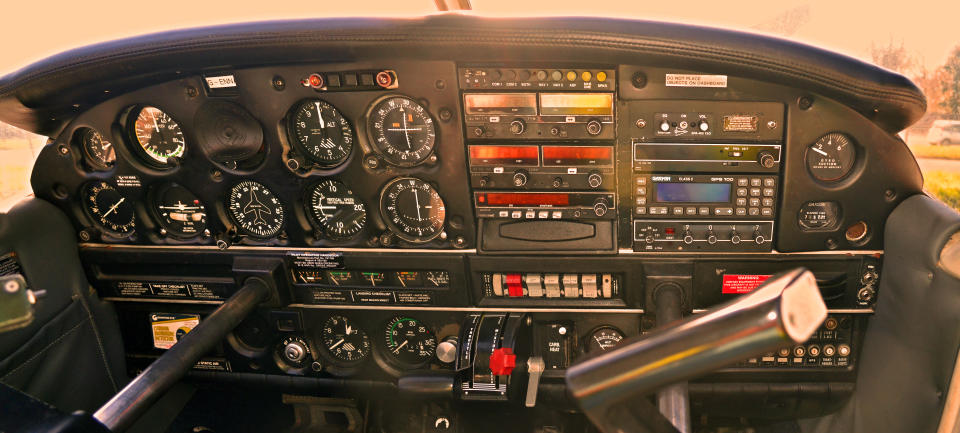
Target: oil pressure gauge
831,157
604,338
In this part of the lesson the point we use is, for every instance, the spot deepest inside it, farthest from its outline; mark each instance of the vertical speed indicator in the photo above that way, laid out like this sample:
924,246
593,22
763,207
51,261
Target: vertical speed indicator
336,209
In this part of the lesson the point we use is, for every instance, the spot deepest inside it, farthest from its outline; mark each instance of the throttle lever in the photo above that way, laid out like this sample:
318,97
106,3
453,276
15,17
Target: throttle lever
787,309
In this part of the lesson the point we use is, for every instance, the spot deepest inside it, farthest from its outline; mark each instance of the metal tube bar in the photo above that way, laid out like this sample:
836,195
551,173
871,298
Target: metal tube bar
144,390
673,401
787,309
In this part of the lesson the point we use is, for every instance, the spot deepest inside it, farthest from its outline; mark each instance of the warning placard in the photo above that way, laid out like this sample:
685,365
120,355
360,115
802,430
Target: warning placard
742,283
168,329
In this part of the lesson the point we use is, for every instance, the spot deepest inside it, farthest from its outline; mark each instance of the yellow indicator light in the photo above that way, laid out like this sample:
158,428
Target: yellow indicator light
601,76
586,76
571,75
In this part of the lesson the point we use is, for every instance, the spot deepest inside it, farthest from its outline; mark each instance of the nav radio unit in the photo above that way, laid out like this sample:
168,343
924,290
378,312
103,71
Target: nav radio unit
706,176
542,157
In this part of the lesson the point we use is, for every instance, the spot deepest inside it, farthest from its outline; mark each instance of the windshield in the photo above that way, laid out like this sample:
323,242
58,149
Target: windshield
919,40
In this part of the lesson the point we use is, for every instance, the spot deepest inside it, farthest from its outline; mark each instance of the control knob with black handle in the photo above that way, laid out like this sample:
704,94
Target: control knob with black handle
520,178
594,127
601,206
518,126
766,159
594,179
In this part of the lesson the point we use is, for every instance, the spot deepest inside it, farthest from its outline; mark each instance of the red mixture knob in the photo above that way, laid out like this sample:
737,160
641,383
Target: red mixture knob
502,361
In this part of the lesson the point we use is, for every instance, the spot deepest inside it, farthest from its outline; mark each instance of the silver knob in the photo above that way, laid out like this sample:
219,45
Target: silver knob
594,180
518,126
594,127
294,352
447,350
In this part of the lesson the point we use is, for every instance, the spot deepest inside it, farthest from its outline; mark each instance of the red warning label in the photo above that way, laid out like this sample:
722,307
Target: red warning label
738,284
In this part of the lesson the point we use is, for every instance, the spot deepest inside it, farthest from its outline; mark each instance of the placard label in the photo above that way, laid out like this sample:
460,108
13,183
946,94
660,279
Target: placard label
740,283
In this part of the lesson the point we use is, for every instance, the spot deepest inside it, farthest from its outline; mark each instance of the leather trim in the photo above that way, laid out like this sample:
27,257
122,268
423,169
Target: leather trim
44,96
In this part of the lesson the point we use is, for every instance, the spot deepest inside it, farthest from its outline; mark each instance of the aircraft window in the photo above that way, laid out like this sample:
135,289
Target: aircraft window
18,151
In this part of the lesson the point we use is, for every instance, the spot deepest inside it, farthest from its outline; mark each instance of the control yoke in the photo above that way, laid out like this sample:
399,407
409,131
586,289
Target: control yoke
612,388
135,398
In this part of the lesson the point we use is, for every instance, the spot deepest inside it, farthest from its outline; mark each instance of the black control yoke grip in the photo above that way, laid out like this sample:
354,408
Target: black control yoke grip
787,309
141,393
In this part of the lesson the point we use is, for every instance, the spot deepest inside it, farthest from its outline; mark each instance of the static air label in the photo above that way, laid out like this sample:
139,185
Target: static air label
736,284
694,80
168,328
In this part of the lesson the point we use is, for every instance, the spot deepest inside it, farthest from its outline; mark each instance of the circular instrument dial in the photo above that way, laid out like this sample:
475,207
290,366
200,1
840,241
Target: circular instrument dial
158,136
604,338
321,132
110,210
344,341
98,152
412,209
179,211
408,342
336,209
256,210
831,158
402,130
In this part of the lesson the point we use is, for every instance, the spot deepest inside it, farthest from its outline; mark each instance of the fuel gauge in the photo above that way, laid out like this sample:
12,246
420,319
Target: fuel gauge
372,279
436,279
341,278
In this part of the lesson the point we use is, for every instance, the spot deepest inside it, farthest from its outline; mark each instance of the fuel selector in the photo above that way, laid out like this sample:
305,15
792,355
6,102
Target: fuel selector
293,354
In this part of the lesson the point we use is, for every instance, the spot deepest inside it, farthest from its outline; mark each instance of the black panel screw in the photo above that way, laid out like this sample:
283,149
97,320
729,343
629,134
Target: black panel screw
639,80
192,92
63,149
441,84
832,243
84,235
890,194
446,114
278,83
805,102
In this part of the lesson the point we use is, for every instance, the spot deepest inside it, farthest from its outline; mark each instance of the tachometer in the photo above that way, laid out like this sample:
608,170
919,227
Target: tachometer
832,156
179,211
98,152
158,136
320,132
256,210
336,209
402,130
110,210
408,342
412,209
344,341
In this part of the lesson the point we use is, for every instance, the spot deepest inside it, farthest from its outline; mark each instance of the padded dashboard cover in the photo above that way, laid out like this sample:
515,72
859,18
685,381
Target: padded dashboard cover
45,96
